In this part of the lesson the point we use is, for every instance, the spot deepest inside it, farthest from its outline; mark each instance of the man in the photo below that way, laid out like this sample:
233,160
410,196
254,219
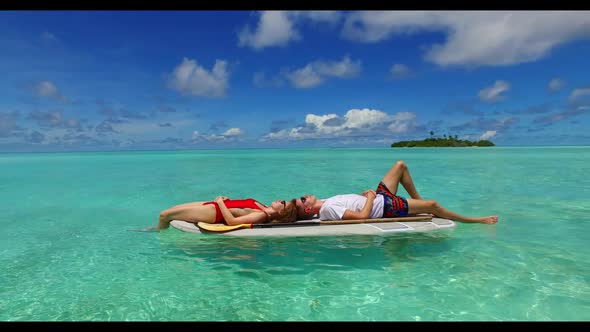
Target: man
381,203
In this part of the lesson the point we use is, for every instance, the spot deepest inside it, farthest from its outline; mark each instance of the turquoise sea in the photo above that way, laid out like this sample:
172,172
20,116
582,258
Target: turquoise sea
69,252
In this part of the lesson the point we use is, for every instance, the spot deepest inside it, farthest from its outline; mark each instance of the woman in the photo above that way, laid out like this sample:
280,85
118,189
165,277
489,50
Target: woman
232,212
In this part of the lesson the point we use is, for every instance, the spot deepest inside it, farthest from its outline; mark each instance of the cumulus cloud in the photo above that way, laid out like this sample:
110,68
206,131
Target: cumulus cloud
356,122
278,28
314,73
488,134
47,89
305,77
475,38
493,93
189,78
275,28
555,84
402,122
233,132
341,69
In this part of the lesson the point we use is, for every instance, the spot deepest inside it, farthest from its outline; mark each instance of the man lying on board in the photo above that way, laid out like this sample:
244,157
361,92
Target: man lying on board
382,203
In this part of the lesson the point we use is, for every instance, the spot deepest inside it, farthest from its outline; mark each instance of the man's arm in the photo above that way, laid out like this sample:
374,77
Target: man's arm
365,212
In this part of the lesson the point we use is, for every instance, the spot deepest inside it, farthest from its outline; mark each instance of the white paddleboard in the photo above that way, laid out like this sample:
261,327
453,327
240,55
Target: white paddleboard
377,228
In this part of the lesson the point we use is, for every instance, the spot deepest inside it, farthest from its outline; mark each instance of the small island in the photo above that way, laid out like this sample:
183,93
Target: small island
445,141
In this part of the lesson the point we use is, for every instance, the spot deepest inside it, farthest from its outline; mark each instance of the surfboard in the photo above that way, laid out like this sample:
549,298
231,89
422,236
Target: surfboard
315,227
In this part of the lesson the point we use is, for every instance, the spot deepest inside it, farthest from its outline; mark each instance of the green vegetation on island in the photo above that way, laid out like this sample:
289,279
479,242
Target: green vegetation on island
445,141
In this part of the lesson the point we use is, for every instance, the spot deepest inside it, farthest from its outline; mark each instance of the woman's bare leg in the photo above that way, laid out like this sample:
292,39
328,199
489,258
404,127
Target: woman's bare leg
416,206
399,173
191,212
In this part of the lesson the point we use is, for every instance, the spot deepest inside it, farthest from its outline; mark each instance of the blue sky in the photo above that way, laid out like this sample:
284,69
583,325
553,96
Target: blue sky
100,80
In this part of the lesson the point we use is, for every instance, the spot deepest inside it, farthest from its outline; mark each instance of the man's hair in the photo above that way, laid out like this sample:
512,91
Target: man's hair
301,215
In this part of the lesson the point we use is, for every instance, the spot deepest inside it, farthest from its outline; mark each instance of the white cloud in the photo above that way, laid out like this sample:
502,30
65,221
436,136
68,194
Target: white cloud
555,84
475,38
403,116
342,69
318,120
579,93
277,28
305,77
49,90
356,122
488,134
364,118
402,122
233,132
191,79
313,74
229,135
493,93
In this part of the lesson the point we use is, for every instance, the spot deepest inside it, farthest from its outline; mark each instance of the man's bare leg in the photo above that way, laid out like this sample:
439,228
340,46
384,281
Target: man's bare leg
399,173
416,206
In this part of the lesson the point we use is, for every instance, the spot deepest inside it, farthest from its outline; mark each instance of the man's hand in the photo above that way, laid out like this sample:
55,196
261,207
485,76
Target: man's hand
365,212
369,193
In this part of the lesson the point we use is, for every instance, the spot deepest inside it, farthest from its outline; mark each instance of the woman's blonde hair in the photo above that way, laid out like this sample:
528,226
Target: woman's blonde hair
289,214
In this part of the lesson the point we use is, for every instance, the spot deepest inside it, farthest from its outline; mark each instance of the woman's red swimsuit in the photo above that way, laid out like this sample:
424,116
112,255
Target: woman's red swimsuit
248,203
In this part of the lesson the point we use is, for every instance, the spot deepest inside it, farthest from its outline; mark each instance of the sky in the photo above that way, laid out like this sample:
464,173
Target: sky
159,80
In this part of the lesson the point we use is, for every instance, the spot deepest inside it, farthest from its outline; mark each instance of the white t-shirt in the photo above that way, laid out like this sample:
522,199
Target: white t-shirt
334,207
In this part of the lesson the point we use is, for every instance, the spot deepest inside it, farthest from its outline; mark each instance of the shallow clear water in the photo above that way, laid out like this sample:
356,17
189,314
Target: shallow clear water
69,252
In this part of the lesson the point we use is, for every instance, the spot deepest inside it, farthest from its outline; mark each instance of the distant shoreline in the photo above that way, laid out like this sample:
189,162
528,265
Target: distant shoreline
451,142
6,153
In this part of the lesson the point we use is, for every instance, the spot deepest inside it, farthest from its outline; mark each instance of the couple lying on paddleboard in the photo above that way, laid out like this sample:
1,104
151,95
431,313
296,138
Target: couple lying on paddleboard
380,203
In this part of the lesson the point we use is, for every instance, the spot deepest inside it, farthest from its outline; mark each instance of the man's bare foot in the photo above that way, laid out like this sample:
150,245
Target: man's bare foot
489,220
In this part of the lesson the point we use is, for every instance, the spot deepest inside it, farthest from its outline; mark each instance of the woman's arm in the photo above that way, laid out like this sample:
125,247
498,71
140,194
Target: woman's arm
254,217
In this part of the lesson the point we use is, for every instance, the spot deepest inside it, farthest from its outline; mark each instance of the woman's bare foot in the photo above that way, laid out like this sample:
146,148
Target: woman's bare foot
489,220
147,229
